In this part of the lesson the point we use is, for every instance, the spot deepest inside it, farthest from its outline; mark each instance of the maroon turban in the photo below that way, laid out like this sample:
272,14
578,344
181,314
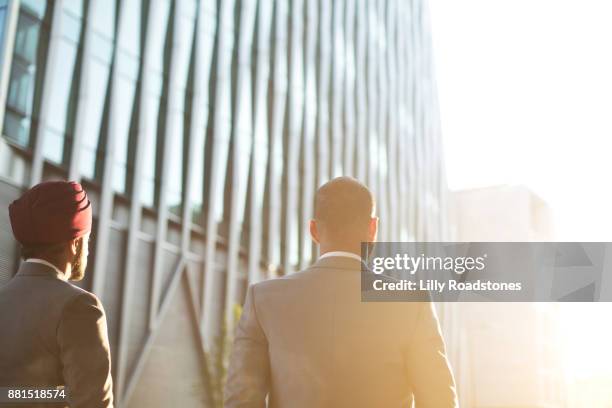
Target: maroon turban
51,213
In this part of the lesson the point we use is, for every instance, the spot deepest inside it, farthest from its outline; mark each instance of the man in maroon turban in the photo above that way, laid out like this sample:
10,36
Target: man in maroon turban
54,333
49,217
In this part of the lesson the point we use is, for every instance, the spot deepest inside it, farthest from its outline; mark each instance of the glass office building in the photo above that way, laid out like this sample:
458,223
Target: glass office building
201,130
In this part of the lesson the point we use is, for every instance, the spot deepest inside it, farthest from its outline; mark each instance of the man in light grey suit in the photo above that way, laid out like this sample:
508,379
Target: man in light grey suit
53,333
307,340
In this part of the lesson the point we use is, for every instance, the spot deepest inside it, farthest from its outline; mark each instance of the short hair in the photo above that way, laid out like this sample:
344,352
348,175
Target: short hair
344,207
45,251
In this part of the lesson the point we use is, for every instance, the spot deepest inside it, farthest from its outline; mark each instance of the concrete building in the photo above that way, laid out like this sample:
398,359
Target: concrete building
505,354
201,129
500,213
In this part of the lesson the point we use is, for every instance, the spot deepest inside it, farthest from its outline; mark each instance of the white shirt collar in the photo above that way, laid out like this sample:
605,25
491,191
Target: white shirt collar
61,274
341,253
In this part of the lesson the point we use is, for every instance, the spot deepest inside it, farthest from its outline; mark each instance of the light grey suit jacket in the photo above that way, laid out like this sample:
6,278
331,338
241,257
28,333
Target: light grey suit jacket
54,333
307,340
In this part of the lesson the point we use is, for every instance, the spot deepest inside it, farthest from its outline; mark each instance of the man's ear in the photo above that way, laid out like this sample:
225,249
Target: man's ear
314,232
373,229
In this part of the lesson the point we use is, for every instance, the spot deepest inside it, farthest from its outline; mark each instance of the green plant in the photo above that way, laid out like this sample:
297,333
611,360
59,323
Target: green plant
216,361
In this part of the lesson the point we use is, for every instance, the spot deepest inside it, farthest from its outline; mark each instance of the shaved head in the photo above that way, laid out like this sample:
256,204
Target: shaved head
344,209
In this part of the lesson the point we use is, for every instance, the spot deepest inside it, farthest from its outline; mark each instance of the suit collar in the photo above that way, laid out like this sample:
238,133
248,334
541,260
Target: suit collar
39,269
338,262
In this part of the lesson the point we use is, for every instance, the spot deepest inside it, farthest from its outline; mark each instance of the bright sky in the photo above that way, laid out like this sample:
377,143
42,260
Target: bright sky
525,89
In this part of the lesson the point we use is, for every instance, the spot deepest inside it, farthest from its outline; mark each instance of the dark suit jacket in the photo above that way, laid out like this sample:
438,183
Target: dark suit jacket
54,333
307,340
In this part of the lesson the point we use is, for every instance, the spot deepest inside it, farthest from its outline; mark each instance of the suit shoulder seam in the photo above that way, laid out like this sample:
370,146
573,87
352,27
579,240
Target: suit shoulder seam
79,293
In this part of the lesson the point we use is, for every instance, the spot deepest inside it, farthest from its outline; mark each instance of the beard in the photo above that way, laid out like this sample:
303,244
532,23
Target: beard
79,264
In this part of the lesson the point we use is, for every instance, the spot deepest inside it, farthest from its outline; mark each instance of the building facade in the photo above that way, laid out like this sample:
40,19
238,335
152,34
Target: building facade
201,129
505,354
